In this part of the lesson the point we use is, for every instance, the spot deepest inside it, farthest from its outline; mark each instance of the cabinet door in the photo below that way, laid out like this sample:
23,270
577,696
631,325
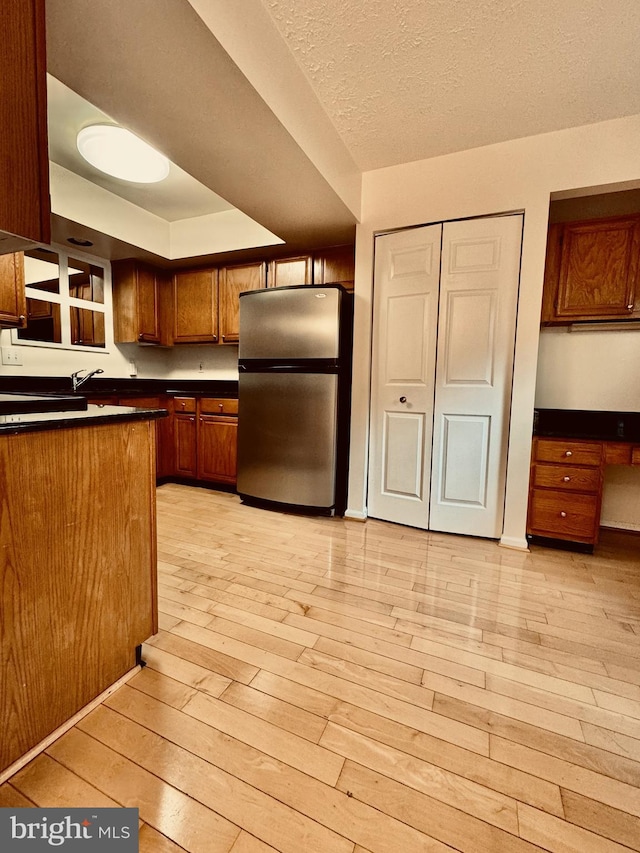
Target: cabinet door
335,265
184,430
286,272
148,304
234,281
25,211
136,303
195,306
13,304
217,448
598,269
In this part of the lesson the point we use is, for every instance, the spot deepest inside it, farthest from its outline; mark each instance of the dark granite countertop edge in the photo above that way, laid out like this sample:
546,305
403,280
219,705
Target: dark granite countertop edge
123,386
593,425
93,416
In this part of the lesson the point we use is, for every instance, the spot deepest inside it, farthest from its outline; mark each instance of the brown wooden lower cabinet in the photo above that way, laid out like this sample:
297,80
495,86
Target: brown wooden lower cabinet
78,571
185,446
217,448
205,438
198,439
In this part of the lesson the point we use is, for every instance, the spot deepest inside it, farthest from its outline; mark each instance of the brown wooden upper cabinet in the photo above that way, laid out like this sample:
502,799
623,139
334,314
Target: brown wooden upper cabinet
139,310
592,270
25,207
13,304
195,307
233,281
286,272
335,265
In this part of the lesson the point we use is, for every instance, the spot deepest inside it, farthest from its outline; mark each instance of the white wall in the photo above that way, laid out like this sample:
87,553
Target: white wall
519,175
218,362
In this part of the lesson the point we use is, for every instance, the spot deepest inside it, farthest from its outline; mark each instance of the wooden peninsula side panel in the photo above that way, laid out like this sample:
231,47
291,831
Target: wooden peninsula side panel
77,571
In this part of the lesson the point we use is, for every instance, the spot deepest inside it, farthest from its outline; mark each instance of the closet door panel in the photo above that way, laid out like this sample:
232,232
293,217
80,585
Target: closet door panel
406,279
474,365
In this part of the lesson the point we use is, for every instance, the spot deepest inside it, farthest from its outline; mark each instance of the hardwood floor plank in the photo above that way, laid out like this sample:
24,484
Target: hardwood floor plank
515,783
218,662
443,822
308,796
49,784
559,836
590,783
628,747
11,798
179,817
601,819
191,674
478,800
240,803
151,841
283,714
246,843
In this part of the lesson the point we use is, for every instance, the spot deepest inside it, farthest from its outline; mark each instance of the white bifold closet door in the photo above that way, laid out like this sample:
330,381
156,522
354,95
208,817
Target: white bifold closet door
441,382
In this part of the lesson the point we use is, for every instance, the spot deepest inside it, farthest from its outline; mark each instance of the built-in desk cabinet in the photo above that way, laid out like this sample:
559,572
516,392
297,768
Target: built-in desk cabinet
565,487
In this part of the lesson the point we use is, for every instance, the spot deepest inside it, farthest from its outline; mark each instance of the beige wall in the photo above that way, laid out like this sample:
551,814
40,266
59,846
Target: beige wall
514,176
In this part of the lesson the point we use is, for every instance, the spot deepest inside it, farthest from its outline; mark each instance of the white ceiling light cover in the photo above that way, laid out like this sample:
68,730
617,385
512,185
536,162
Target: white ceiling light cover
119,153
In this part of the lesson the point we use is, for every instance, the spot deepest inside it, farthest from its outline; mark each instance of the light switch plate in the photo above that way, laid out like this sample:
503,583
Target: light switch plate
11,355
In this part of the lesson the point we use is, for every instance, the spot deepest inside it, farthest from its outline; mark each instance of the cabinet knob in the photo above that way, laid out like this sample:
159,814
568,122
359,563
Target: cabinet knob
220,406
563,514
568,453
22,318
630,307
403,399
192,419
566,479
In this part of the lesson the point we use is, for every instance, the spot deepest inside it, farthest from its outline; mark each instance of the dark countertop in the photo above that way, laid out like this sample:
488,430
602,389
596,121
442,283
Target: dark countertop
588,424
62,385
13,404
93,416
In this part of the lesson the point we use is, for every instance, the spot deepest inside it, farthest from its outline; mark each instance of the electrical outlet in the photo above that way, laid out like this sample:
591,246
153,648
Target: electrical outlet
11,355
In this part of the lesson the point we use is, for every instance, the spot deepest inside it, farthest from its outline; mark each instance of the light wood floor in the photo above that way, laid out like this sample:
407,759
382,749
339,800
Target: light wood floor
325,685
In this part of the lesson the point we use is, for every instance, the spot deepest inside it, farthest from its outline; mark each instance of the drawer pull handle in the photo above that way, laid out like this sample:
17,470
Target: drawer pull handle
563,514
568,453
566,479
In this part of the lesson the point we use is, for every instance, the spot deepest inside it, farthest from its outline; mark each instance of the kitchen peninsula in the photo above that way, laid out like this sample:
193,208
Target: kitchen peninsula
78,568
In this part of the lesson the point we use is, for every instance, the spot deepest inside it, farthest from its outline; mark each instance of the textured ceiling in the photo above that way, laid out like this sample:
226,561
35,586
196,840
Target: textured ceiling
403,80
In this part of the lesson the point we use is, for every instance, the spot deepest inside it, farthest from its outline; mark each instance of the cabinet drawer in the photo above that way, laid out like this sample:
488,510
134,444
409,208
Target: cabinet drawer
140,402
218,406
563,515
570,452
184,404
569,477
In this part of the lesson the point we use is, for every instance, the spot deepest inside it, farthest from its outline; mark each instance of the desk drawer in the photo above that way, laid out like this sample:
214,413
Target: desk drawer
569,477
563,515
568,451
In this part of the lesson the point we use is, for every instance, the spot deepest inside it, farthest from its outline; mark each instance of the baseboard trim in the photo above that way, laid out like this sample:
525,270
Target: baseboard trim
355,515
514,543
12,769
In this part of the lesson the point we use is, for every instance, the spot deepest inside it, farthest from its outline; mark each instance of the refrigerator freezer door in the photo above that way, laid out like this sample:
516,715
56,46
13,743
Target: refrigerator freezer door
287,438
290,323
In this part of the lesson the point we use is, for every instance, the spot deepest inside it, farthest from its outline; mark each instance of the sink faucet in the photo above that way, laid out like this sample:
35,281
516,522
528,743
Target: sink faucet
78,380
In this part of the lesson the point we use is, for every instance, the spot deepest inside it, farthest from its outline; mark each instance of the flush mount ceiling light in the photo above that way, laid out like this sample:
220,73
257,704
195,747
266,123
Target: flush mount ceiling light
119,153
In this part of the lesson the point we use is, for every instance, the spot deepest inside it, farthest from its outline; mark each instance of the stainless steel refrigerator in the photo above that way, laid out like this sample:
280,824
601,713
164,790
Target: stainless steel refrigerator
294,390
